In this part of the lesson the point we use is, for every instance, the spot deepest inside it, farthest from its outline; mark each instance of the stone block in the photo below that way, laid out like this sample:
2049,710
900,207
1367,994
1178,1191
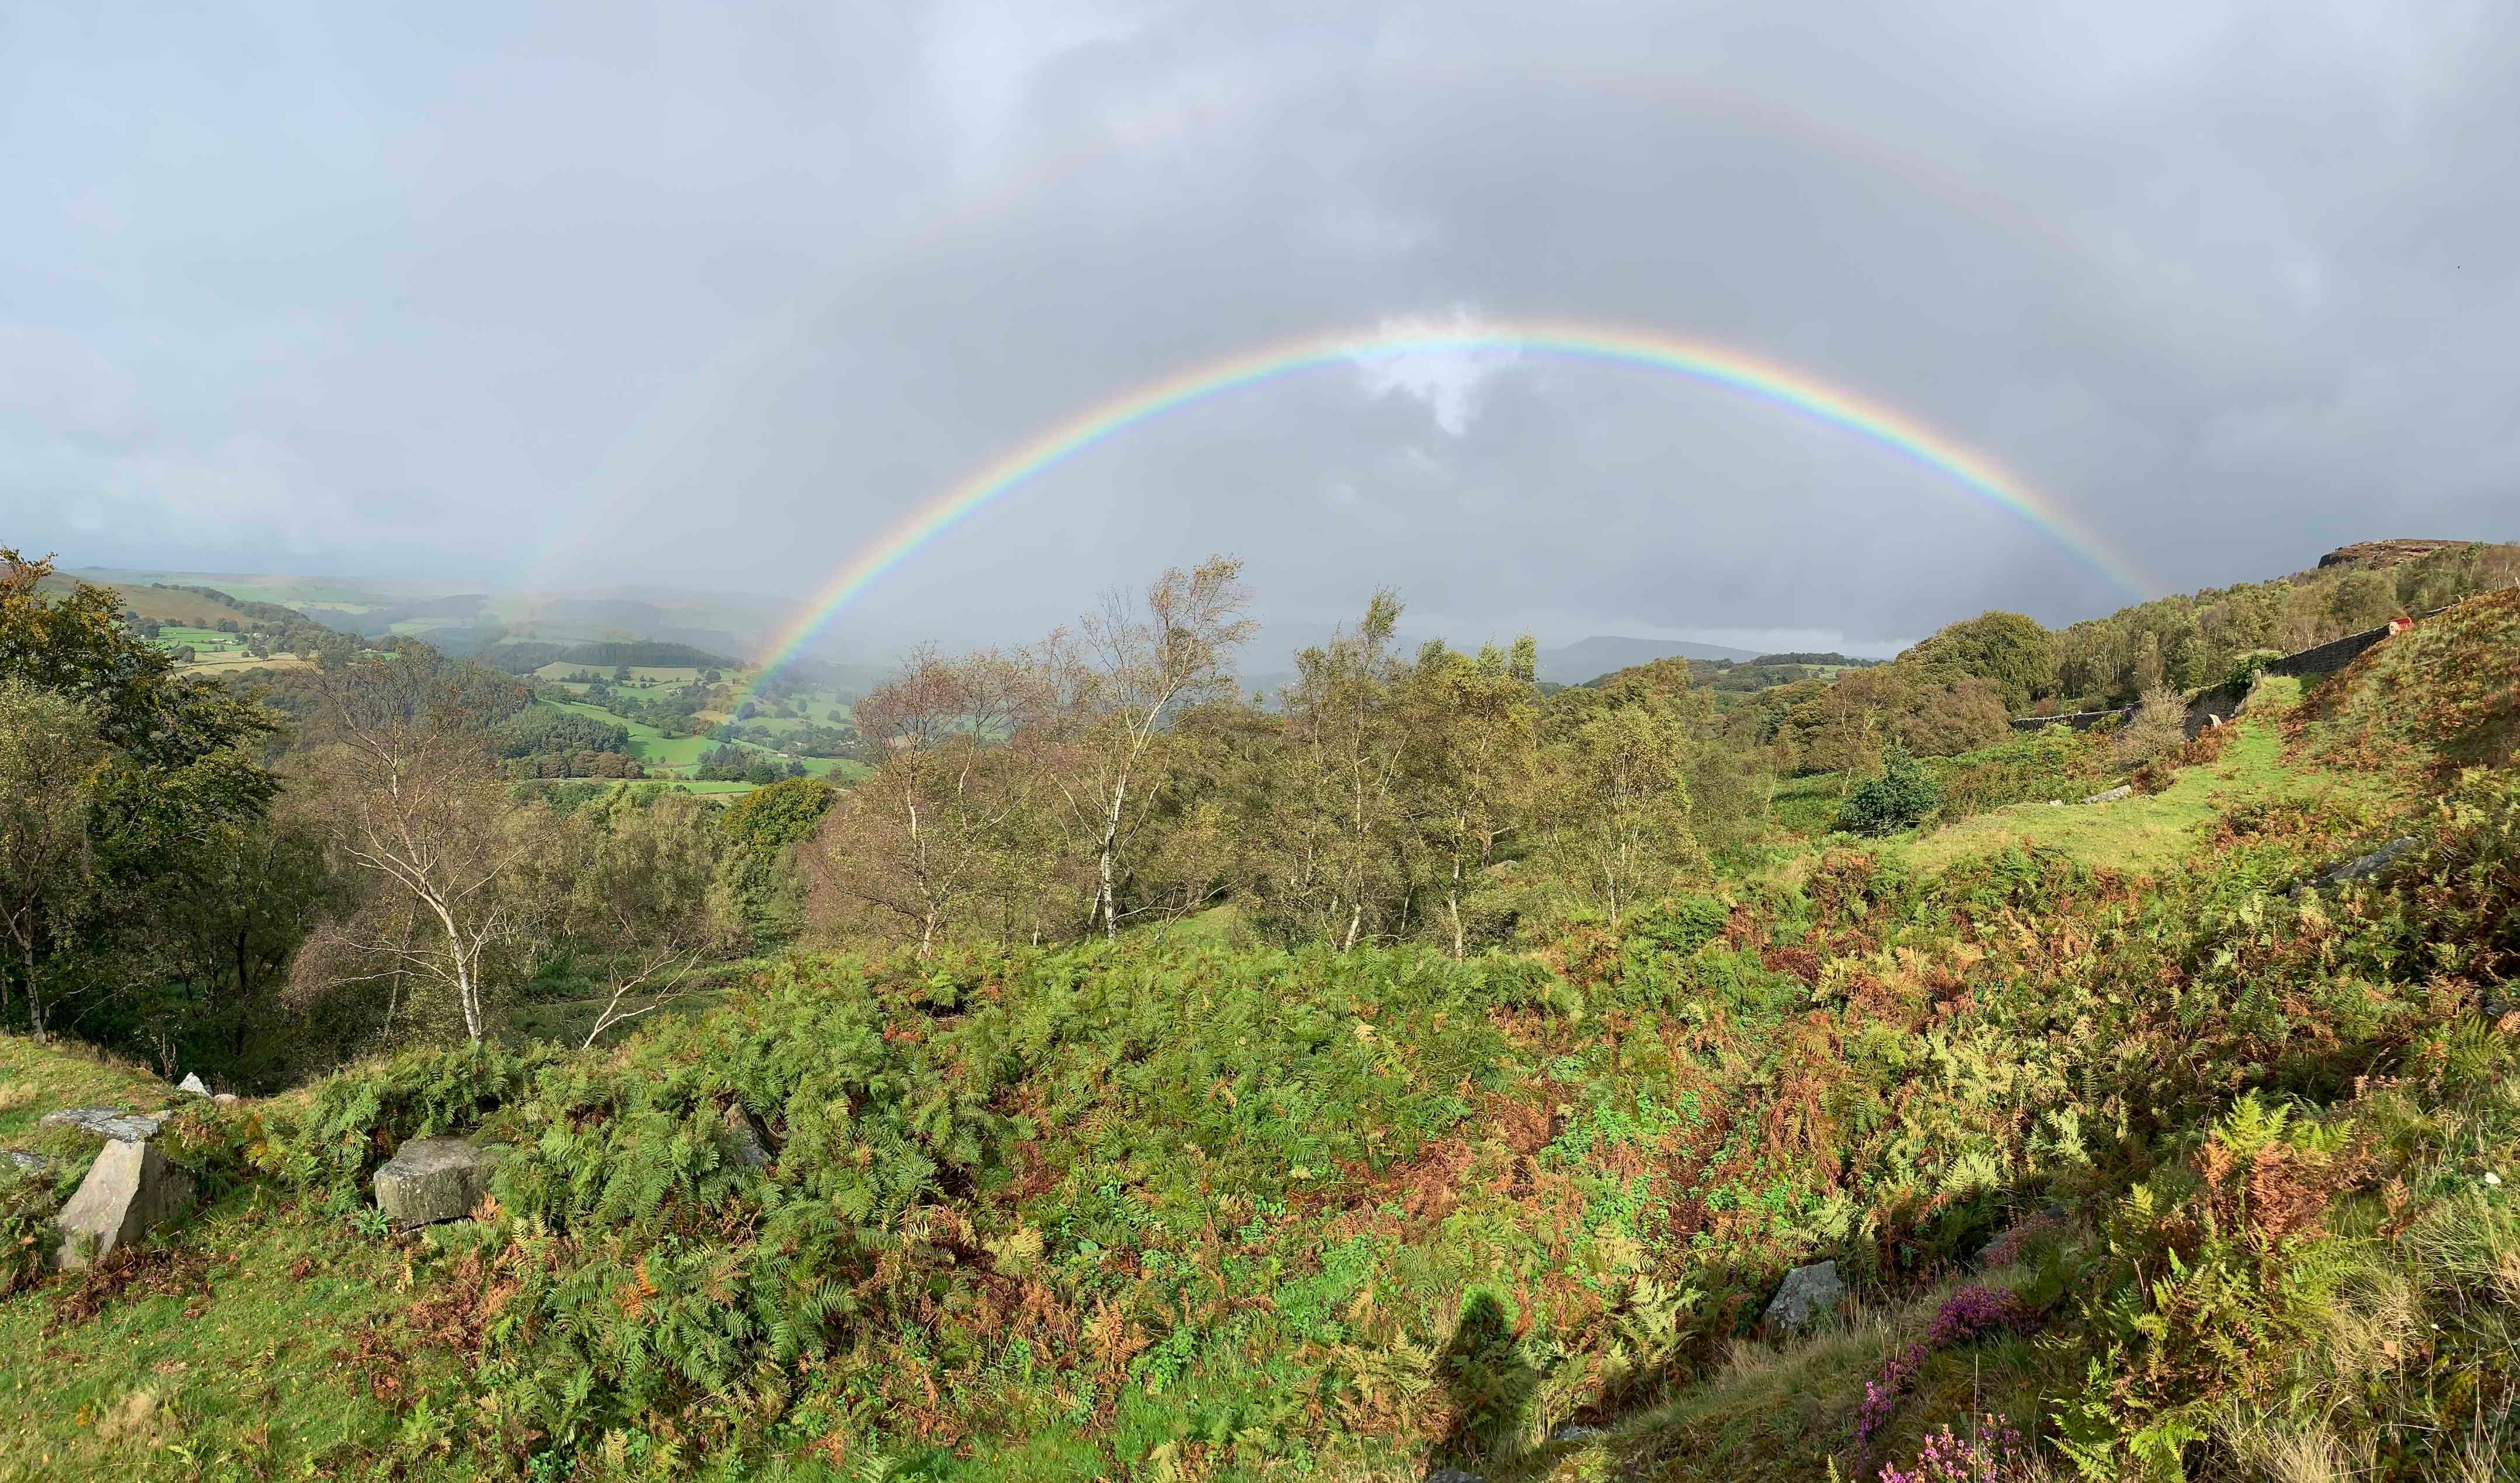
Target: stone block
129,1190
106,1122
432,1179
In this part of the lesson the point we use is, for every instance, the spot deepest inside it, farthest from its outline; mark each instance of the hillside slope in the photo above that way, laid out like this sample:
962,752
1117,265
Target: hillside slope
2171,1158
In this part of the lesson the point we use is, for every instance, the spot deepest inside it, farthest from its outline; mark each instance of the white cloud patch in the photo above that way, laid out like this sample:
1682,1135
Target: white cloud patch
1445,364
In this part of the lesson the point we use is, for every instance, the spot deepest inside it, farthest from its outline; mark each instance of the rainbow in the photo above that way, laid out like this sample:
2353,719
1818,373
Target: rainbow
1715,364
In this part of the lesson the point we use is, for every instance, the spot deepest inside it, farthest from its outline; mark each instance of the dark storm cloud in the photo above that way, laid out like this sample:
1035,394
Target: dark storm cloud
577,296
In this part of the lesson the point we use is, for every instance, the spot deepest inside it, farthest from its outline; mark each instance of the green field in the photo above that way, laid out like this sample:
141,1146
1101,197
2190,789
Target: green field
646,743
651,674
672,757
171,636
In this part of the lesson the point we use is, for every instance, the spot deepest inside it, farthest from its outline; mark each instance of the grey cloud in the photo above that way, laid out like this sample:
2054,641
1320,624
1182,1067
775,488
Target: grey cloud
580,294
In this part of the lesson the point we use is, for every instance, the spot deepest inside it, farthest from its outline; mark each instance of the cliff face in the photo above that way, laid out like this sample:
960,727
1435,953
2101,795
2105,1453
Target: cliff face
2382,554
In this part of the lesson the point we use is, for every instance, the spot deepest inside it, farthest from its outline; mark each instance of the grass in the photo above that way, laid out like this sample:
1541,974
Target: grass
199,638
646,743
2140,833
1807,805
2144,832
1784,1410
260,1341
38,1079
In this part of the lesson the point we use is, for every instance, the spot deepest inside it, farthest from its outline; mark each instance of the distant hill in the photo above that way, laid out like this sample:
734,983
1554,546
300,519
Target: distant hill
168,604
1590,658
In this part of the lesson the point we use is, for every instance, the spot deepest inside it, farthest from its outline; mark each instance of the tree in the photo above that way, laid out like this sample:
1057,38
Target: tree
1107,693
166,763
1900,798
2007,648
1473,763
409,799
934,830
51,758
226,924
1342,815
633,878
1620,821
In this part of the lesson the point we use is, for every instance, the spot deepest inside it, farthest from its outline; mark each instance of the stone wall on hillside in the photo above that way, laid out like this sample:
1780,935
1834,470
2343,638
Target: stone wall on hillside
2329,658
2217,702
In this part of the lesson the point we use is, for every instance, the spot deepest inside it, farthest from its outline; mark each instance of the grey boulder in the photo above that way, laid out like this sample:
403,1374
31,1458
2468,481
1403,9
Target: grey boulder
24,1162
432,1179
2113,795
1807,1295
745,1135
106,1122
130,1188
194,1083
2362,867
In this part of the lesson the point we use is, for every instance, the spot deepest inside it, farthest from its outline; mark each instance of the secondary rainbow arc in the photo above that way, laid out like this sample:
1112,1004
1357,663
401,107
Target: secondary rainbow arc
1702,361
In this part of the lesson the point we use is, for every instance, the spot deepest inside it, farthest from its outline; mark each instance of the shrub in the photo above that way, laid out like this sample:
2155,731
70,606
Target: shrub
2245,670
2158,726
1900,798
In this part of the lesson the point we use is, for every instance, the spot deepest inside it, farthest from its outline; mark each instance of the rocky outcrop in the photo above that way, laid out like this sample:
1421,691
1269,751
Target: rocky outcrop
1807,1295
130,1188
2381,555
430,1179
2112,795
107,1122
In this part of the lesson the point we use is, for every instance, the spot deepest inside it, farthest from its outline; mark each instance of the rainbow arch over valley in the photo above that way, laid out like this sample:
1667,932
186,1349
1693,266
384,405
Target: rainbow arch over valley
1699,360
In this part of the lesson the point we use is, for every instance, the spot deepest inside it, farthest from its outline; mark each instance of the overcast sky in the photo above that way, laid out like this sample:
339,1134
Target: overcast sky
581,296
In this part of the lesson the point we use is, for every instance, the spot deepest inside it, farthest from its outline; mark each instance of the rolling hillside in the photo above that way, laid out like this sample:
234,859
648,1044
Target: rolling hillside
2066,1106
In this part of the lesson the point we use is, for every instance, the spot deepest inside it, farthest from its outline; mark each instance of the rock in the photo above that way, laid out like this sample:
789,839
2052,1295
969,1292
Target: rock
1572,1432
745,1133
130,1188
432,1179
1453,1476
2362,867
194,1083
224,1098
1807,1295
2122,790
106,1122
24,1162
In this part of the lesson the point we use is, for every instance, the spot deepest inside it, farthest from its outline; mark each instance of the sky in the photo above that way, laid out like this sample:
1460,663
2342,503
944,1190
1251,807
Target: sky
574,297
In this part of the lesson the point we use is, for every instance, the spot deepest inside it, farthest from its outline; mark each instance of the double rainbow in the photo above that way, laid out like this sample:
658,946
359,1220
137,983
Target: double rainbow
1711,363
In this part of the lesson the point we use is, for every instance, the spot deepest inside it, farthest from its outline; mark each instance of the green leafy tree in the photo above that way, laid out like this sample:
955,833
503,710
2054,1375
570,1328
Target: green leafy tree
1472,764
1900,798
1620,805
1103,697
1341,829
51,759
164,762
2007,648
